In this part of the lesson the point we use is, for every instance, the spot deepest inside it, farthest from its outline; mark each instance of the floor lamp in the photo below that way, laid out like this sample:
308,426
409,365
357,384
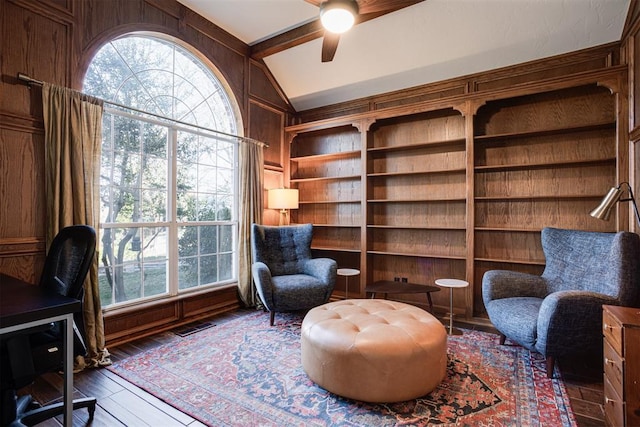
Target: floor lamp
603,211
283,199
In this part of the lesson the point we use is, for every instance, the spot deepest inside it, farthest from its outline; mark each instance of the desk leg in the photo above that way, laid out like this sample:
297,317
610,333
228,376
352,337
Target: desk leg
68,370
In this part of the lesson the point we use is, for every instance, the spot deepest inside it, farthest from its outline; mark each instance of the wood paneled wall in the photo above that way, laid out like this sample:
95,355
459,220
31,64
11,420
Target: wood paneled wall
54,41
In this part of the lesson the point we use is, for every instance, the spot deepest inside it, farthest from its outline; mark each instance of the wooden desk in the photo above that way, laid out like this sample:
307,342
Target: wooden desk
24,306
391,287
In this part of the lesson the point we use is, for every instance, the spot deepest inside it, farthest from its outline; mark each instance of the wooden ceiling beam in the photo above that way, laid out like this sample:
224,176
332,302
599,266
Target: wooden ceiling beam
311,31
292,38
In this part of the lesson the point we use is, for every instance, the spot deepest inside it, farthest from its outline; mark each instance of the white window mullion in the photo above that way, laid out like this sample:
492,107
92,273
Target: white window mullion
112,155
235,218
172,210
139,221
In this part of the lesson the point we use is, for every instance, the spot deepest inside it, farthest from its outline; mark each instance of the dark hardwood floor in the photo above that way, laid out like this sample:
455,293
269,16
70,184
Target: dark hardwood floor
122,403
584,381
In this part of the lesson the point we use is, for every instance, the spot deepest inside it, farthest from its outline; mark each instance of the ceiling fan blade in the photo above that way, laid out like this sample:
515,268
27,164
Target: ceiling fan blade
329,46
374,6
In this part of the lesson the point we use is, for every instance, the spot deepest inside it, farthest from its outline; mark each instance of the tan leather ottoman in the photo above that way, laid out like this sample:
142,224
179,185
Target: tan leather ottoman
374,350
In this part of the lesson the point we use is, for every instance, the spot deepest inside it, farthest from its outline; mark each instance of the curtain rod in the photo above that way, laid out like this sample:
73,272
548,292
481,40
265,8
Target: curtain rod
29,81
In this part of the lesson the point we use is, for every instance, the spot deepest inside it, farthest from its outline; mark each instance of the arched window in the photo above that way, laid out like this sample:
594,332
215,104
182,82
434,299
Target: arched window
168,181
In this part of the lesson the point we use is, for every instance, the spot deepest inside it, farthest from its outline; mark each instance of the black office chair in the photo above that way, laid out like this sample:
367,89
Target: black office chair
29,353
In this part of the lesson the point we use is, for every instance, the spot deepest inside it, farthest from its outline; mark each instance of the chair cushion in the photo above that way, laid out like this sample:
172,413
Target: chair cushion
297,291
517,318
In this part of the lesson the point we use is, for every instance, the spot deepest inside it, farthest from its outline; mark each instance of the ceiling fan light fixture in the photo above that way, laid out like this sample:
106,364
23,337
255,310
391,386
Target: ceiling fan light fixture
337,16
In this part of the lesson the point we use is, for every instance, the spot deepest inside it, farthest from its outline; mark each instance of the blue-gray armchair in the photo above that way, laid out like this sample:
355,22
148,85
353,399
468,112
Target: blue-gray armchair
560,312
285,275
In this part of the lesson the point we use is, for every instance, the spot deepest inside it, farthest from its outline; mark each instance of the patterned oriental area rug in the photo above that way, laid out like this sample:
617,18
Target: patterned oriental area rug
247,373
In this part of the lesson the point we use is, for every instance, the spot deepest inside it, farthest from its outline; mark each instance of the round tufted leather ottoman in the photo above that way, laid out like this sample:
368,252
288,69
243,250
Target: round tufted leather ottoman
374,350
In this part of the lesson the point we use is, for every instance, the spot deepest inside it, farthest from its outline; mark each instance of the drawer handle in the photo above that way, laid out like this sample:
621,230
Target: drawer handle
609,361
609,401
609,327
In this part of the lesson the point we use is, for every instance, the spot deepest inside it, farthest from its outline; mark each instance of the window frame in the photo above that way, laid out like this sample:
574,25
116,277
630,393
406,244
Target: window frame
172,223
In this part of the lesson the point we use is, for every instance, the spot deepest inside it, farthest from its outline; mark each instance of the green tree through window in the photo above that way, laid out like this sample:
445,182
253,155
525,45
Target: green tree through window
167,190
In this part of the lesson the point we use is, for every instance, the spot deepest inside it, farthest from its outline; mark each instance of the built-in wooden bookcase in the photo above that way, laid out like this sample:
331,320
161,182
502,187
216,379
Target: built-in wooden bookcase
416,198
454,190
542,160
326,169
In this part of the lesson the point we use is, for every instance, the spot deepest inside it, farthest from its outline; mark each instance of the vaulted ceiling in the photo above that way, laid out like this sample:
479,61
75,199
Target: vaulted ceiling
429,41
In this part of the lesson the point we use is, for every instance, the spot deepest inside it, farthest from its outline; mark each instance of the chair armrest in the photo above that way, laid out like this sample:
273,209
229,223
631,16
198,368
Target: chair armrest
498,284
323,269
262,279
575,314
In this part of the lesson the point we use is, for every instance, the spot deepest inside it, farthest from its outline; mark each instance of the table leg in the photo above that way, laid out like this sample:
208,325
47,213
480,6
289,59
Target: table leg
452,330
450,311
346,287
68,370
430,302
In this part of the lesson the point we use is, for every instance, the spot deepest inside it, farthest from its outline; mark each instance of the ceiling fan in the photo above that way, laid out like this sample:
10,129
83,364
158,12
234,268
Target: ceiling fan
348,13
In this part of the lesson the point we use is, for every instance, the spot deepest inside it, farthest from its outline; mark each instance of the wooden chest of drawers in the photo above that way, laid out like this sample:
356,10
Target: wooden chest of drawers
621,329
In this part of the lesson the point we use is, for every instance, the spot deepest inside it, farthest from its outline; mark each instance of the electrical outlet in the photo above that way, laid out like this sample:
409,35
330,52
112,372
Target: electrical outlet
396,279
404,280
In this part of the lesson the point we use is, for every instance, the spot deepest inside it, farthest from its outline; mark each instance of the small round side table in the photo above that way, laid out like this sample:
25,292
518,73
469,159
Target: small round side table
452,283
346,272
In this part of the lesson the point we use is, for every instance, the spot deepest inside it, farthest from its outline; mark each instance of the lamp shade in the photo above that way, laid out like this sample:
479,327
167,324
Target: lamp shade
337,16
603,210
282,198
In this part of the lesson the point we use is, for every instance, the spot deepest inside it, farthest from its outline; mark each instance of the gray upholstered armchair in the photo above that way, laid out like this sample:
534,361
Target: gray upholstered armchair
286,277
560,312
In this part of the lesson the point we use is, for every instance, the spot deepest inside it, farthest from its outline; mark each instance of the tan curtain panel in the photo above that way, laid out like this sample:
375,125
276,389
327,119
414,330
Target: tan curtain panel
73,135
251,205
